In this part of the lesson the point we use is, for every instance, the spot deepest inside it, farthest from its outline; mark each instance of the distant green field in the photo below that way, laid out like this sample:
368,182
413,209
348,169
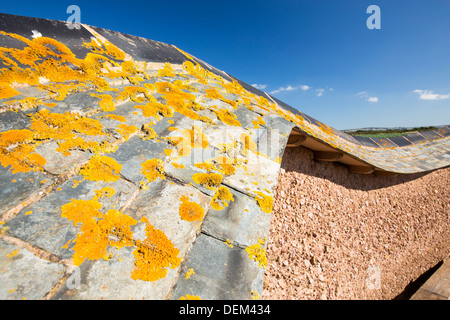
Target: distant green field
388,133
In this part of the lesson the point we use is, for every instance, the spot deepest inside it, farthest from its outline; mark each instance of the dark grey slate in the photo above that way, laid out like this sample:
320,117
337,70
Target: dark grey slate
46,229
221,272
12,120
242,222
26,185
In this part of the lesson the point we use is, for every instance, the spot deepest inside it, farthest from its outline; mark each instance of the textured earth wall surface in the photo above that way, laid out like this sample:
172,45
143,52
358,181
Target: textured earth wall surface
337,235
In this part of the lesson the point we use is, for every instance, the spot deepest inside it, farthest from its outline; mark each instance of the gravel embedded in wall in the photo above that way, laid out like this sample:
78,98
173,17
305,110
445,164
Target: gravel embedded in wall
336,235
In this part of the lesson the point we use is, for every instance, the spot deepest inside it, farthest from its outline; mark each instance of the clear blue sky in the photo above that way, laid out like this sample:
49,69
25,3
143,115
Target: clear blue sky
318,55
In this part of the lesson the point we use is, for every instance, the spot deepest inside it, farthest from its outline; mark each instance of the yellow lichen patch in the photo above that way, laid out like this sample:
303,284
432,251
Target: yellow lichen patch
208,165
66,246
221,198
208,180
226,165
227,117
236,88
264,201
104,192
7,92
79,211
181,85
101,168
254,295
96,229
47,60
153,169
106,48
166,71
23,104
115,117
153,109
190,211
126,130
257,253
258,122
190,297
154,255
181,101
118,225
106,102
106,147
150,86
16,150
229,243
189,273
149,132
178,166
134,93
12,254
213,94
46,125
76,144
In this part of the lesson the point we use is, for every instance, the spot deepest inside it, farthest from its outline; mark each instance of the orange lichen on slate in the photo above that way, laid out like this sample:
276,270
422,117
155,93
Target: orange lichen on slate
46,58
76,143
104,192
181,101
153,169
221,198
227,117
166,71
16,150
189,273
208,180
153,109
226,165
99,231
154,255
126,130
7,92
190,297
258,122
257,253
96,228
264,201
213,94
208,165
63,128
133,93
106,102
190,211
115,117
101,168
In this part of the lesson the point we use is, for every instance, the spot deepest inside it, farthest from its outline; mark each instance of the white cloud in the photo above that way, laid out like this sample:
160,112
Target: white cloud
365,95
320,92
303,87
259,86
430,95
